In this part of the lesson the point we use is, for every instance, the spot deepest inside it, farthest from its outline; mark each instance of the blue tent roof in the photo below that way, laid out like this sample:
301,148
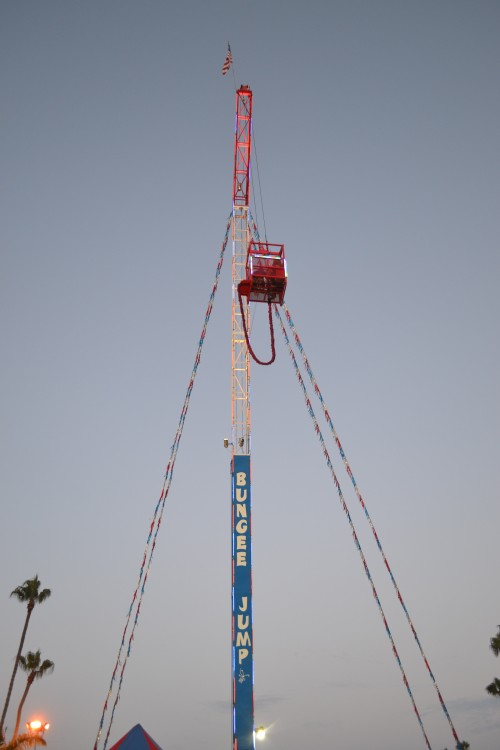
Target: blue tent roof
136,739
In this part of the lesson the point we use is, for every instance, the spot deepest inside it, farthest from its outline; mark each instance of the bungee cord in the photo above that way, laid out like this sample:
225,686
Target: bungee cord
255,234
343,456
350,521
247,337
137,596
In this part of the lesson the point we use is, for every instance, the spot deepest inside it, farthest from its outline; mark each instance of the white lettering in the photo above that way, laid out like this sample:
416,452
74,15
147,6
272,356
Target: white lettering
243,621
242,526
241,559
243,639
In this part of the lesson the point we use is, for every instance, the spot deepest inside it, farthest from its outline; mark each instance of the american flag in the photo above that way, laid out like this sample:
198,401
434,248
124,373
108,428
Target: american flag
227,61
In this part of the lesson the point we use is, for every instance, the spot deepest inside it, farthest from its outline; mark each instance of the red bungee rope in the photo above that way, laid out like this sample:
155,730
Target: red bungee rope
247,339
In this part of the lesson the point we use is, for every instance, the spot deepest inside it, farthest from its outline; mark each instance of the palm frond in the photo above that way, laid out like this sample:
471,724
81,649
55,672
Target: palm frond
24,741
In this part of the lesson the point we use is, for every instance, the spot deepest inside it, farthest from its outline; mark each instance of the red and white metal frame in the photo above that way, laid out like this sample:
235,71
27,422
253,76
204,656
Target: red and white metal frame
240,401
242,618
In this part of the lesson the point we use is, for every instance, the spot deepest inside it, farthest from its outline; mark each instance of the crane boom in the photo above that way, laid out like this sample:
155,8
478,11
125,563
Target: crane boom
242,147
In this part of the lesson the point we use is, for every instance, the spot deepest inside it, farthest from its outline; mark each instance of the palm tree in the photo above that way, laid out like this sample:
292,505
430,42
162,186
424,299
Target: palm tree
495,643
494,687
36,668
29,593
22,742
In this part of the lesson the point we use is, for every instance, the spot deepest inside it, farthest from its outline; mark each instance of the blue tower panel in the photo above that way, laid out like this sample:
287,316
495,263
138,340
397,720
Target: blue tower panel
243,710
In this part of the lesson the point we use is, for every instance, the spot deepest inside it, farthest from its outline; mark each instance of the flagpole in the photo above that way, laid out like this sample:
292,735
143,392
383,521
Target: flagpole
233,68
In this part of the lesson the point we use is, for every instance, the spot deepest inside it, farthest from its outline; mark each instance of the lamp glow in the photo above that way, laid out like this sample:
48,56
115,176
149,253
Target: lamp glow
260,733
37,727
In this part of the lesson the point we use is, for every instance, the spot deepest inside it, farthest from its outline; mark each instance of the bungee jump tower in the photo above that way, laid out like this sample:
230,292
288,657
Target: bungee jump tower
258,275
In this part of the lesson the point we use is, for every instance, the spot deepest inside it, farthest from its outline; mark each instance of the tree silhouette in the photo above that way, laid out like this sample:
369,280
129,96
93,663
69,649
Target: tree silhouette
36,668
494,687
30,594
23,742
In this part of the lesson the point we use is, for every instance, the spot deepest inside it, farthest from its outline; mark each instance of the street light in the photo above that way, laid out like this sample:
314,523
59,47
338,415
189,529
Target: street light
260,733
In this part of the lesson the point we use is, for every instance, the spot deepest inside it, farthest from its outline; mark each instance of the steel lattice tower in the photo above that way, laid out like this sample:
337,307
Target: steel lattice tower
240,402
242,621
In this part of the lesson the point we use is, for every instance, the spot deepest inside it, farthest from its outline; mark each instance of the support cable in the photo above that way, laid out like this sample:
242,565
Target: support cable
351,524
253,226
333,431
259,184
122,658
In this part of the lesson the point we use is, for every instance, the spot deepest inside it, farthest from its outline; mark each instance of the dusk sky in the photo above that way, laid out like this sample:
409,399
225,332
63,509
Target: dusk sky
377,163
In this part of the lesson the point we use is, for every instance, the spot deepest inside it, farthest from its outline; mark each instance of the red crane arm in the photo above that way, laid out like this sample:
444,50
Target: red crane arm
242,146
